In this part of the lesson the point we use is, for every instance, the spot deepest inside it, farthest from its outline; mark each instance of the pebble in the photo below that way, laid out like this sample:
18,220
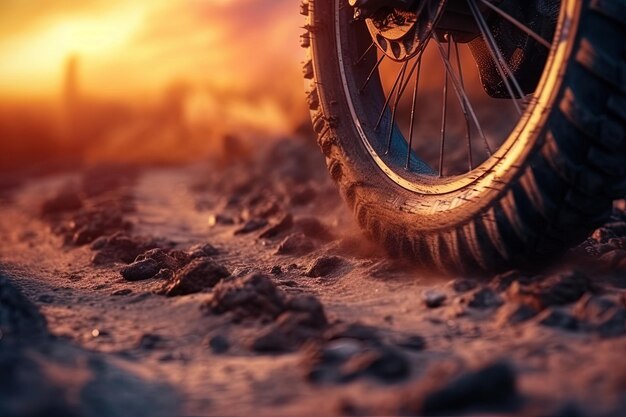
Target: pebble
161,256
560,319
324,266
282,226
251,225
564,288
344,360
202,250
140,270
434,298
150,341
485,298
614,325
296,244
412,342
252,296
120,247
219,344
514,313
355,331
198,275
491,388
463,285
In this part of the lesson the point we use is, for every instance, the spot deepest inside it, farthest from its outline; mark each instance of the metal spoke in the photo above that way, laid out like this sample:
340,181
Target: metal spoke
468,132
461,95
369,48
412,125
395,106
418,59
393,89
497,57
444,112
518,24
371,74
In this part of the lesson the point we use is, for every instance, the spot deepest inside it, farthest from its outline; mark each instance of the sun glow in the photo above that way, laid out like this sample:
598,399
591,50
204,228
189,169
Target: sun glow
32,62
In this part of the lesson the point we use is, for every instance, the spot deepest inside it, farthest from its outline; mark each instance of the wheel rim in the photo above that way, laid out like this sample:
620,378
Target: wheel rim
388,137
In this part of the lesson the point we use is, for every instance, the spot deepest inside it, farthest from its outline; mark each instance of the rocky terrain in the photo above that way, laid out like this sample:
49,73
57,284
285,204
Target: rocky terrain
242,287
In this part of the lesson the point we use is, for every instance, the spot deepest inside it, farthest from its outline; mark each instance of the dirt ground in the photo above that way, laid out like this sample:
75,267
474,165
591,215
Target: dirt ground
244,288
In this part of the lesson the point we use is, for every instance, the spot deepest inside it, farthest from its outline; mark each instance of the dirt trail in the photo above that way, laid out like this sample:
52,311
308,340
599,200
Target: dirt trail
245,288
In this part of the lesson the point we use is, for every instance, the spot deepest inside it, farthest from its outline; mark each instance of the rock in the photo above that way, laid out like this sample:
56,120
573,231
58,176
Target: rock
295,244
614,324
120,247
383,363
504,280
182,257
164,274
602,235
311,227
253,296
560,319
292,320
202,250
198,275
485,298
123,291
412,342
461,286
324,266
303,195
490,389
344,360
595,308
311,308
562,289
150,341
434,298
302,321
274,340
219,344
290,331
265,210
87,225
340,350
222,219
251,225
140,270
64,201
283,225
355,331
276,270
160,256
514,313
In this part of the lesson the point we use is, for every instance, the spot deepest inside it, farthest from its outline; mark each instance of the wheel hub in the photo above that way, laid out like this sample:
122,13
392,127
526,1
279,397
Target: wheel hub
399,27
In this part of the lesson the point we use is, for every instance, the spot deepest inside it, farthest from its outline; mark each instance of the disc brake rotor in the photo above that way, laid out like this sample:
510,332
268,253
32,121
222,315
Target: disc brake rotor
401,34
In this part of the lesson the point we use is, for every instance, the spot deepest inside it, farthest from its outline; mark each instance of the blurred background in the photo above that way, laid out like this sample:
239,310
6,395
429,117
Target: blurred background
150,81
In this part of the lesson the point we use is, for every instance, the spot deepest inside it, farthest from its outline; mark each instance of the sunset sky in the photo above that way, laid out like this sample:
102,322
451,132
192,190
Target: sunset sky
134,47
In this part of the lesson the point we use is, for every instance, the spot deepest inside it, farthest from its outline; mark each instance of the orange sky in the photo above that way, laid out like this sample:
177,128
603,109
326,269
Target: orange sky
135,47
